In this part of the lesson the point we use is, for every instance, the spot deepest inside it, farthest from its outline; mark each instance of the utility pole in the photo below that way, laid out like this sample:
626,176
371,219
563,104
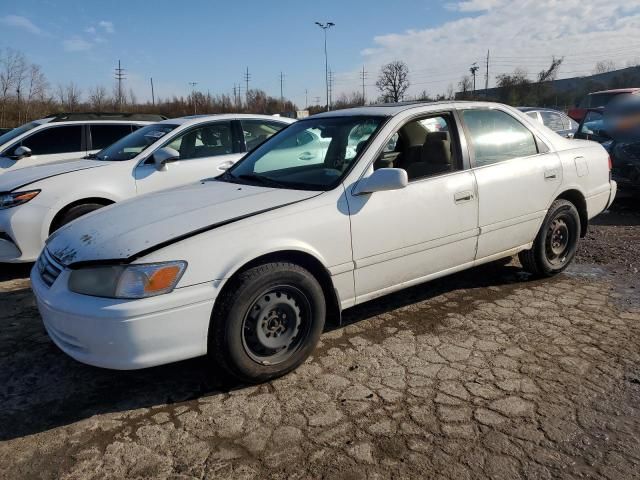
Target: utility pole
486,76
120,76
153,96
306,98
474,68
317,99
325,27
193,97
363,76
247,77
281,91
331,80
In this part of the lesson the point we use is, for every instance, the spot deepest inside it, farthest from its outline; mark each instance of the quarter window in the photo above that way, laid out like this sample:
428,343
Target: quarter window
206,141
497,136
104,135
64,139
552,120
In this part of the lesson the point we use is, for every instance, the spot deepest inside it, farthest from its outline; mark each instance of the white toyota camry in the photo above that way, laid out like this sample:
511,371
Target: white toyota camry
248,266
35,201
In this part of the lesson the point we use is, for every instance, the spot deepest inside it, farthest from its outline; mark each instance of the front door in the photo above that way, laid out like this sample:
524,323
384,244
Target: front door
517,178
205,151
404,236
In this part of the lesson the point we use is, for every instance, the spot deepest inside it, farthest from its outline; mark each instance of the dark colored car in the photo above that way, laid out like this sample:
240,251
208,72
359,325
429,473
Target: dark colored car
553,119
599,99
617,129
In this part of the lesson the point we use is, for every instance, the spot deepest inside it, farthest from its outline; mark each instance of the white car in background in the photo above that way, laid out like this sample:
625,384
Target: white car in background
66,136
36,201
246,267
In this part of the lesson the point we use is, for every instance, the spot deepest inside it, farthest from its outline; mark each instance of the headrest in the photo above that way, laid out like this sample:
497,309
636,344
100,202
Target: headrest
433,137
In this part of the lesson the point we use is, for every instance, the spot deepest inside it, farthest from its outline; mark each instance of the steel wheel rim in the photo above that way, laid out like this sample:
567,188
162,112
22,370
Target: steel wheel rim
276,324
558,241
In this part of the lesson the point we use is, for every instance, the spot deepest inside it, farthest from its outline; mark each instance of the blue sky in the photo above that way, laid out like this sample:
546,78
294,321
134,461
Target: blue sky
212,42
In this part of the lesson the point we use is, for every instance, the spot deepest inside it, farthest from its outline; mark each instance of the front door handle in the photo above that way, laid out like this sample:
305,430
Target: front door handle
461,197
551,174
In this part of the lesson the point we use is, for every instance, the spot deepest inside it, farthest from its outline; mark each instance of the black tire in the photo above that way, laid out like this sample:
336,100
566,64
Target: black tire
73,213
267,322
556,242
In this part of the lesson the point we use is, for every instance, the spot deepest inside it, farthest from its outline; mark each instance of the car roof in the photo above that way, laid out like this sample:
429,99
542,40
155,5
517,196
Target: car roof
539,109
392,109
618,90
195,119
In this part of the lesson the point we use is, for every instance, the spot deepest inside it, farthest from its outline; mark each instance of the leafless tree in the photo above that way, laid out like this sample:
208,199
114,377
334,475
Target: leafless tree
604,66
465,85
393,81
98,97
450,95
36,90
69,96
552,72
12,70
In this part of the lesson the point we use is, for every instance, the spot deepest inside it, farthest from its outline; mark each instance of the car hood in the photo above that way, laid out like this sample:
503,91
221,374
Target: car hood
133,228
24,176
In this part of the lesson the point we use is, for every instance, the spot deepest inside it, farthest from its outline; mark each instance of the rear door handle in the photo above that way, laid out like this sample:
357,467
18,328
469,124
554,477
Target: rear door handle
551,174
461,197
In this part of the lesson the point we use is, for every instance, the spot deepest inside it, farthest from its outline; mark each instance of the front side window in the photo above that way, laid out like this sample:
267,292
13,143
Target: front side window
424,147
209,140
313,154
496,136
257,131
53,140
133,144
104,135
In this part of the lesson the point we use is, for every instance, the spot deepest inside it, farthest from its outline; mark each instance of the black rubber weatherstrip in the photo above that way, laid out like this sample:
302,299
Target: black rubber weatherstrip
54,175
179,238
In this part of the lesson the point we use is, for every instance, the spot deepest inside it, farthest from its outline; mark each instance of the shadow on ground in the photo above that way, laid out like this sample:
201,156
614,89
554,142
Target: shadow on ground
11,271
42,388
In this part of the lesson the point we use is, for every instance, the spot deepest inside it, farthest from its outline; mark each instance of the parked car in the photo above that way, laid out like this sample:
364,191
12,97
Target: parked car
617,128
247,267
553,119
66,136
599,99
39,200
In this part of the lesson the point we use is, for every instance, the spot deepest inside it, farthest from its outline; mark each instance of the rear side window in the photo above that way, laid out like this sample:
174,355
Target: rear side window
63,139
553,120
496,136
104,135
257,131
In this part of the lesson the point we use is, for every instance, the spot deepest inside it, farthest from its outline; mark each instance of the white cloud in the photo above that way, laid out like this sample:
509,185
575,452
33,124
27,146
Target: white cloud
106,26
21,22
525,33
77,44
90,30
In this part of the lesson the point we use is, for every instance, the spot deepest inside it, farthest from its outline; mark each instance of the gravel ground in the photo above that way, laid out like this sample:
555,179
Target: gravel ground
485,374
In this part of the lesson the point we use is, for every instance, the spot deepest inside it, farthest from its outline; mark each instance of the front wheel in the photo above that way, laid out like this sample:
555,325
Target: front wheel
556,242
267,321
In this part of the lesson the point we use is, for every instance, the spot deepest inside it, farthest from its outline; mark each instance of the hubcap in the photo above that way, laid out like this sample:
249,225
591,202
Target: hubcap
558,241
276,324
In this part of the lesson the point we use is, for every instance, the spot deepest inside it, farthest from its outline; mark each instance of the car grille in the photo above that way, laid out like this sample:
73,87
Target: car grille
48,267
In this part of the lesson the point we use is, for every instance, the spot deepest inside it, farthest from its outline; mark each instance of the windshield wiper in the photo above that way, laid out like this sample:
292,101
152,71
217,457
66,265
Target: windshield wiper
252,177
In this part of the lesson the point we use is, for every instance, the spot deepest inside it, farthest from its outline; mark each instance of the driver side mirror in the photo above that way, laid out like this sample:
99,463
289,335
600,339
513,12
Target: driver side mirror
163,156
381,180
21,152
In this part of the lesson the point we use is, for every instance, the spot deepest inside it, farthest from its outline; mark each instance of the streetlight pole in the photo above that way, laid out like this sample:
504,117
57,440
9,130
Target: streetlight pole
325,27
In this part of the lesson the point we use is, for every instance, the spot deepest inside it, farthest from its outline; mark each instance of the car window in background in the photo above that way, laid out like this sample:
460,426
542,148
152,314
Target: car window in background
11,134
533,115
552,120
104,135
209,140
593,124
54,140
497,136
257,131
133,144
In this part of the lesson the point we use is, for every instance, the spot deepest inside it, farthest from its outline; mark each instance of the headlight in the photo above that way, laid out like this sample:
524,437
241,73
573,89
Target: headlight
127,281
13,199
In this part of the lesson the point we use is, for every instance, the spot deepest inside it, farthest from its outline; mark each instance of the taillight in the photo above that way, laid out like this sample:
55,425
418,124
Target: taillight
610,163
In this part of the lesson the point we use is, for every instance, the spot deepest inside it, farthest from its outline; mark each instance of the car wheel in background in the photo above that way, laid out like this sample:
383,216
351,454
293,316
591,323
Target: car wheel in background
556,242
267,321
73,213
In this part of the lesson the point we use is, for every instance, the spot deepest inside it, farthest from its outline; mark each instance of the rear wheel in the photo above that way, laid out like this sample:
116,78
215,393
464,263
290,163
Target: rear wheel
267,322
556,242
73,213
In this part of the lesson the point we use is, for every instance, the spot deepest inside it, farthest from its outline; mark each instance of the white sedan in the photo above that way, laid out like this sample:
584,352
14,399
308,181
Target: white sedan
36,201
248,266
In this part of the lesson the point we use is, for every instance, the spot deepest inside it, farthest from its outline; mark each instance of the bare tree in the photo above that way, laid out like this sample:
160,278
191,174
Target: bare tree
552,72
465,86
98,97
450,95
393,81
12,69
604,66
36,89
69,96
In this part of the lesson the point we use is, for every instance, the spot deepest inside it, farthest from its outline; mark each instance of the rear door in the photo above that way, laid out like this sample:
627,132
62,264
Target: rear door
517,178
205,150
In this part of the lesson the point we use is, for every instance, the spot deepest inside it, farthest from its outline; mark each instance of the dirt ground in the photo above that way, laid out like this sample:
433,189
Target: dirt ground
485,374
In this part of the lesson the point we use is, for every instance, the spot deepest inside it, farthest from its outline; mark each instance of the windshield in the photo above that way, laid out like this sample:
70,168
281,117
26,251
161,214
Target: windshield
130,146
593,124
11,134
313,154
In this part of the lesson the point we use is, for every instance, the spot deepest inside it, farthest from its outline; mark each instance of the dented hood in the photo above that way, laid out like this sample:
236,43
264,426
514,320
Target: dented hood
130,229
24,176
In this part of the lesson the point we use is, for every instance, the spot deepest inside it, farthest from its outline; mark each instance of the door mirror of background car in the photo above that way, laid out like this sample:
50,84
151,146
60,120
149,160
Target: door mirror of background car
21,152
164,155
381,180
